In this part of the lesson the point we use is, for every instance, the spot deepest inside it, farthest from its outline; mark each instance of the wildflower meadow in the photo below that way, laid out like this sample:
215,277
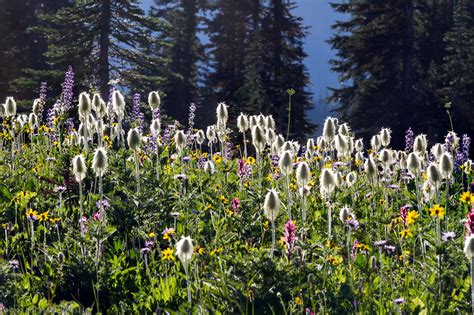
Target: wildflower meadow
107,208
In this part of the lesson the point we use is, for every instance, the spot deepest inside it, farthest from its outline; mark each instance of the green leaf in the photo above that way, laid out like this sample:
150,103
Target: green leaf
43,304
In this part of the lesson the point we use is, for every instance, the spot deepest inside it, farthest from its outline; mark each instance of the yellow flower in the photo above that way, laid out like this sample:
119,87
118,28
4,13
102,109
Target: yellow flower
217,159
265,224
382,202
31,214
293,187
335,260
54,220
229,212
223,199
215,251
424,175
362,246
412,216
168,254
298,301
282,241
270,177
201,250
43,216
406,233
467,197
151,234
405,254
437,211
248,184
251,160
327,165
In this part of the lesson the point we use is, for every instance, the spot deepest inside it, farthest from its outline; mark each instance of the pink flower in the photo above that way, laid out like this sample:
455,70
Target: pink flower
97,216
290,237
470,223
235,204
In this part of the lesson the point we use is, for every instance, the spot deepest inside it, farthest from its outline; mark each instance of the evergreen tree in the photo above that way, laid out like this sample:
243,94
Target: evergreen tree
376,57
22,48
456,76
99,38
179,21
283,37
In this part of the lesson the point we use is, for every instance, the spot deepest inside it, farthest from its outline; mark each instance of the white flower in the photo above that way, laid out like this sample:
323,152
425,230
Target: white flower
469,247
184,249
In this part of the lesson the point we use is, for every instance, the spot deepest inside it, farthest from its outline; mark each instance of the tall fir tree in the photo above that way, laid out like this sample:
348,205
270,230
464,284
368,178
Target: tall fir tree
179,21
455,75
283,37
22,48
99,38
376,57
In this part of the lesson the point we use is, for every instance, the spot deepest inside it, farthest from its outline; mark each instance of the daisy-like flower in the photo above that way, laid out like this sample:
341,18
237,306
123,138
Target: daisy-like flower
406,233
32,215
167,254
412,216
43,216
448,236
167,233
437,211
467,197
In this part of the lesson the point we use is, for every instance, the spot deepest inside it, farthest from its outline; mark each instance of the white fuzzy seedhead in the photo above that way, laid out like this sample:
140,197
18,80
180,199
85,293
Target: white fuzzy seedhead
209,167
328,182
271,205
211,133
79,168
184,249
10,107
134,138
270,122
99,162
155,127
33,120
329,129
345,214
413,164
286,162
420,144
351,178
118,104
303,174
446,165
222,114
180,141
434,175
258,138
99,106
84,104
375,142
154,100
270,136
344,130
371,169
243,122
359,145
437,150
200,137
469,247
385,136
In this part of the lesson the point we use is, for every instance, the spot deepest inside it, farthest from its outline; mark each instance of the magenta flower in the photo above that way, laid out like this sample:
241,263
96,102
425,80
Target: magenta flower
290,238
236,204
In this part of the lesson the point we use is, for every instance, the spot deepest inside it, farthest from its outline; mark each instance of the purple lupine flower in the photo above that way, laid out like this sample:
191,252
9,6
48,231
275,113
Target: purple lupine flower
105,204
156,114
137,117
465,146
69,125
83,224
290,238
66,94
380,243
244,170
404,214
390,249
42,97
449,142
192,115
275,159
152,144
409,138
228,151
